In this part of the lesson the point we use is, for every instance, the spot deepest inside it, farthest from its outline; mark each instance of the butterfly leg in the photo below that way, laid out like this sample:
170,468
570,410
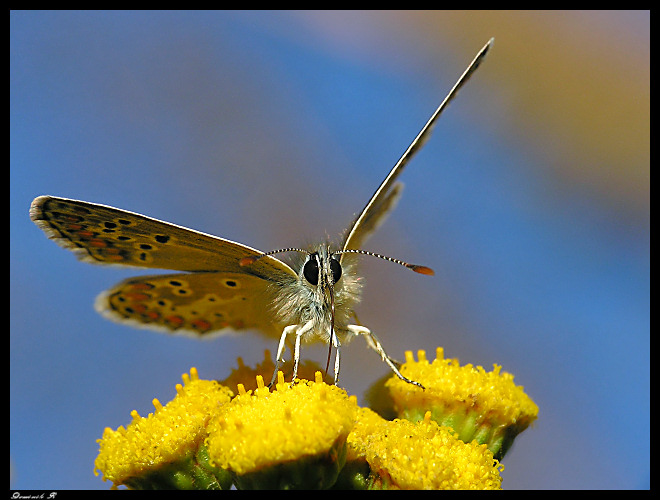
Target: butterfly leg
296,353
279,360
299,331
374,343
337,346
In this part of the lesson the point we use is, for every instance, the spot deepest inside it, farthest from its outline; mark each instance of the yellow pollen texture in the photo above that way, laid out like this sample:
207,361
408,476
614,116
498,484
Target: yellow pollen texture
166,435
262,428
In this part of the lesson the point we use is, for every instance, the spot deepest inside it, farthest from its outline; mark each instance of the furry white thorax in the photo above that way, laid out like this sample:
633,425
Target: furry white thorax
298,302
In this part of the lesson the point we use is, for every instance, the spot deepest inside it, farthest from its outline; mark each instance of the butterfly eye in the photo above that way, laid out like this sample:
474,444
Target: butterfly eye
335,267
311,270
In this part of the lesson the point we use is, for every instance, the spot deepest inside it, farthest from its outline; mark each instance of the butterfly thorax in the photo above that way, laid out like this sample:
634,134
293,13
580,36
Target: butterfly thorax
324,286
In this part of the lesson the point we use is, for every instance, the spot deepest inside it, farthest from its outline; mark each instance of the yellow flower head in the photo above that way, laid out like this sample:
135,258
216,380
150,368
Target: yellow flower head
356,472
247,375
477,404
310,434
422,455
259,431
366,424
165,436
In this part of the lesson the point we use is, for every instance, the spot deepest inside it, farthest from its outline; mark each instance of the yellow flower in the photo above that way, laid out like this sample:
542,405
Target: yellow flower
356,472
366,424
422,455
310,434
481,405
247,375
163,449
293,437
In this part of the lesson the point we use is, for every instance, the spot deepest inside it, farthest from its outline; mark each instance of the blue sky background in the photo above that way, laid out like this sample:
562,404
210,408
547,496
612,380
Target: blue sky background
530,200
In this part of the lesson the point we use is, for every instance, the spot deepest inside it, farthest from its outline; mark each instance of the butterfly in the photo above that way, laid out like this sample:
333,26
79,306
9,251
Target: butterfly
223,285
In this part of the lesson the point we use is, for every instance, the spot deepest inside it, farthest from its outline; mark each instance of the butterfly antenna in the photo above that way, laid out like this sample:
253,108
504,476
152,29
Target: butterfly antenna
246,261
414,267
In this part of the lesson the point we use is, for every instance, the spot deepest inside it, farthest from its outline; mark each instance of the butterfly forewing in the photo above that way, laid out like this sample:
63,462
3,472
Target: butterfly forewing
107,235
371,218
385,197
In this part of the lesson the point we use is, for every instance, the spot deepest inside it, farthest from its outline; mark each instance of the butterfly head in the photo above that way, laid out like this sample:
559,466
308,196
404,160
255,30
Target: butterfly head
325,290
327,286
321,275
322,269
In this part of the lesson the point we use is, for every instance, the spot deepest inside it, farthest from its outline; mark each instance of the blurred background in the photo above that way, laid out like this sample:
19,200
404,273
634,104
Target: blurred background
530,201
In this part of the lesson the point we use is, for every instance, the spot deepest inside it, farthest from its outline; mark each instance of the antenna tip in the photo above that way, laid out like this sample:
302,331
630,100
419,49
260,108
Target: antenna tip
422,270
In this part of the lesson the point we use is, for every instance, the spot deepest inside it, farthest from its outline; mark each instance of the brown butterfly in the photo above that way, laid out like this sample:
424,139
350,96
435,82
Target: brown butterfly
226,285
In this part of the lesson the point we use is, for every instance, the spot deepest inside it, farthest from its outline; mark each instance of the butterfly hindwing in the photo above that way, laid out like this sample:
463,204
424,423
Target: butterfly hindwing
196,303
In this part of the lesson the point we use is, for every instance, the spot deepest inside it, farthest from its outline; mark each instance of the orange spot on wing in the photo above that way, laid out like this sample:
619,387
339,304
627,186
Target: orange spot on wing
98,243
136,296
175,320
246,261
141,286
201,324
139,308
